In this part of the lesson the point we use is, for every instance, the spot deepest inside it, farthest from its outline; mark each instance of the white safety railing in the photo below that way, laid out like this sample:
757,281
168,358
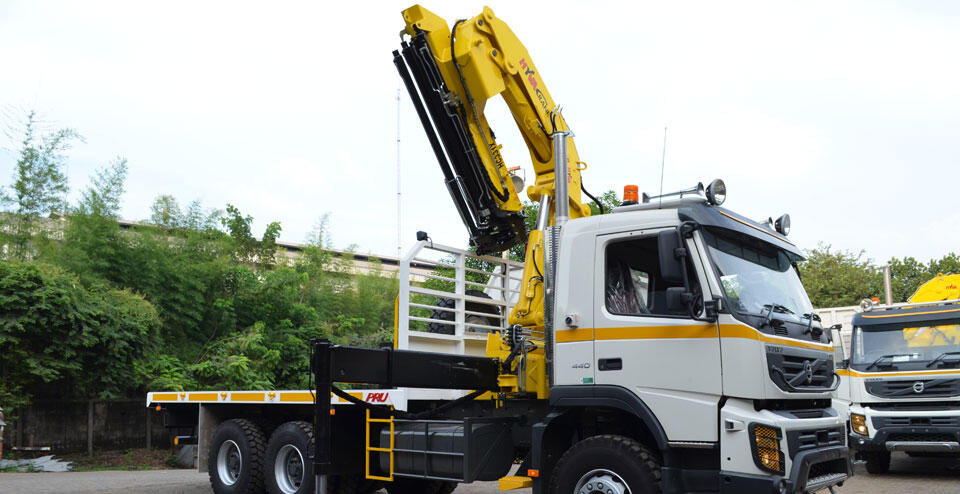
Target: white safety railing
450,298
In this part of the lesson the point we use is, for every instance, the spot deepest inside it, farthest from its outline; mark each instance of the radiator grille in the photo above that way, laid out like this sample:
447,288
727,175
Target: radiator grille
919,387
882,422
804,373
798,441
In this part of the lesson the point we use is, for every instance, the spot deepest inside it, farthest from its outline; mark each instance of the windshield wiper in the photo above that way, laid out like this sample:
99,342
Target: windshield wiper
816,333
875,362
941,358
782,309
771,308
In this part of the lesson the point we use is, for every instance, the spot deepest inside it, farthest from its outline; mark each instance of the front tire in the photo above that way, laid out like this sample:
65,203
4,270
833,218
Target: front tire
235,462
607,464
877,461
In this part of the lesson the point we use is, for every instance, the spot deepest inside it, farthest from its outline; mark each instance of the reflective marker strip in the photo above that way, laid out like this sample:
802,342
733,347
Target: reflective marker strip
741,331
211,396
686,331
878,316
247,396
296,396
387,397
854,373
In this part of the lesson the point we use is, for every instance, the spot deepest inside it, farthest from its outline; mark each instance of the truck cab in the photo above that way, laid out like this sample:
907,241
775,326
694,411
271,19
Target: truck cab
900,388
698,315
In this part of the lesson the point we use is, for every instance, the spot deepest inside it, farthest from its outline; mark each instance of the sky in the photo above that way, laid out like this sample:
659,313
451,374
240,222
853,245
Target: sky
846,115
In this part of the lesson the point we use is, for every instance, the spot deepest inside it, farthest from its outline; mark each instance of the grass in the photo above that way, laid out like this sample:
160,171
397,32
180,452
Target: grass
127,459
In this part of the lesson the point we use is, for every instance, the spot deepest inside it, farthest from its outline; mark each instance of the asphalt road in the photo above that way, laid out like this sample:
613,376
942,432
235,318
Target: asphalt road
907,475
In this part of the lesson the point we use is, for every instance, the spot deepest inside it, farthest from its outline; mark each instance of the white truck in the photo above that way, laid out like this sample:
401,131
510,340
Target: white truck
667,347
900,386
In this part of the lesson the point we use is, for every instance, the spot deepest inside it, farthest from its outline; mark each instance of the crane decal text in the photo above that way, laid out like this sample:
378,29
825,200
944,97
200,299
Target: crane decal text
533,85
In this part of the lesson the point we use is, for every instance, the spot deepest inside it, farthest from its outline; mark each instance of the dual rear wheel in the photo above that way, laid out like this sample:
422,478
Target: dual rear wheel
242,461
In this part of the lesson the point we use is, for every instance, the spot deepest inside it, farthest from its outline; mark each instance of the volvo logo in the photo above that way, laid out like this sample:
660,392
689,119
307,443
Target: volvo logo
808,371
918,387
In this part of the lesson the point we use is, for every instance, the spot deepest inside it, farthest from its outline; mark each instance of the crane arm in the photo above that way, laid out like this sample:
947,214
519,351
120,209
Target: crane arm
450,75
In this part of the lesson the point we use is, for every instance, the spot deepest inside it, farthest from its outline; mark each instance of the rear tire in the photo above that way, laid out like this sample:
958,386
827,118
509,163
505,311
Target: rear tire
608,462
288,469
469,319
877,461
235,462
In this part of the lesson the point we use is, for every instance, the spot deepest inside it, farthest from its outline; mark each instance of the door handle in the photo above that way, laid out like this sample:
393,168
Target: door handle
609,364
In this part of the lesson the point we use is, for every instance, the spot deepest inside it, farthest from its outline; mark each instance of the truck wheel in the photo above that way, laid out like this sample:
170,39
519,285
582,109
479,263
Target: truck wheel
235,463
449,303
288,467
877,461
607,464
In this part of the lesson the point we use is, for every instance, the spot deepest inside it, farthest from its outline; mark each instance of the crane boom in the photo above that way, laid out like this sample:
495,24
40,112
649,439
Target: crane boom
450,75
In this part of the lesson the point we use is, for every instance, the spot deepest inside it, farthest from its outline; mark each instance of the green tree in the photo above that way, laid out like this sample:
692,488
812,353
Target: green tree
166,212
92,245
259,253
838,278
39,184
61,338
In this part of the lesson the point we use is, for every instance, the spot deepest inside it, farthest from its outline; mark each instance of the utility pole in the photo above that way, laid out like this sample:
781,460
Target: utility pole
398,173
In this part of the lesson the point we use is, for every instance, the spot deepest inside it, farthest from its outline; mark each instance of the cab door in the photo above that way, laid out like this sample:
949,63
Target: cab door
670,360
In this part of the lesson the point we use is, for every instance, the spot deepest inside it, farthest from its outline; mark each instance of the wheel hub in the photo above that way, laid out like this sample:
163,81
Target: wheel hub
229,462
601,481
288,469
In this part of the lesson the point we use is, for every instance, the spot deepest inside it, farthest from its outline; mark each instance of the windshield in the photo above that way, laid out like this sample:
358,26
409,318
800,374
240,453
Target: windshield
757,277
905,345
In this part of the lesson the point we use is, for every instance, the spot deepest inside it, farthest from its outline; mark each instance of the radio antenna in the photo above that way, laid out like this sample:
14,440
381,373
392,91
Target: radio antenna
663,160
398,174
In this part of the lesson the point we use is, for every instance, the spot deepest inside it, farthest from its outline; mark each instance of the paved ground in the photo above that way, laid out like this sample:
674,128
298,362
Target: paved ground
907,475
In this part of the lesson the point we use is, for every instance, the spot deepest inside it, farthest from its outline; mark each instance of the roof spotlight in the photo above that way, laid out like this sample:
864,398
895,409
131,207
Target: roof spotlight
716,192
769,223
783,224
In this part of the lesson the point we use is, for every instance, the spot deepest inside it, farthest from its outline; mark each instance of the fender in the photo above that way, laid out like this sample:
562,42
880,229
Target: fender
613,397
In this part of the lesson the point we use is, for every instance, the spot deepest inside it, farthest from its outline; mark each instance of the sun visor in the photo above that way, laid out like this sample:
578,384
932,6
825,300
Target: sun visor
723,218
908,317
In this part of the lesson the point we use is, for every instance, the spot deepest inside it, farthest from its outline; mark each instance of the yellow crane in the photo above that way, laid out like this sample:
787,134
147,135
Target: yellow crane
457,71
940,288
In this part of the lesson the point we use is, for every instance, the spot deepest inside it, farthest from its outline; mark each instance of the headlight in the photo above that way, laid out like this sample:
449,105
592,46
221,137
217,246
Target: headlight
765,445
859,424
717,192
783,224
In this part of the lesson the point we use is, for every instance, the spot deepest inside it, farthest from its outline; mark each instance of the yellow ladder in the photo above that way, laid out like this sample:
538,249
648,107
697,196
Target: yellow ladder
370,449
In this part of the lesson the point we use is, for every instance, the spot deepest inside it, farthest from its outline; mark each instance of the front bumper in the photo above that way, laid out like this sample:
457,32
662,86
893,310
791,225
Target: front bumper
812,470
911,439
814,450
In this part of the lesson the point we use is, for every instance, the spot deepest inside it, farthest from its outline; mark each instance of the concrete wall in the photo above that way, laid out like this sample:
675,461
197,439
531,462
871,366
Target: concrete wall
840,315
64,426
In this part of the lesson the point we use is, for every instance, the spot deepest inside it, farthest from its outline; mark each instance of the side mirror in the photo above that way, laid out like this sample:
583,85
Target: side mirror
846,363
711,309
672,256
836,327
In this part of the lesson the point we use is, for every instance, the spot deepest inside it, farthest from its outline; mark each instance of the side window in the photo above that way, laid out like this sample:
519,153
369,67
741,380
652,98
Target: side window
633,282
